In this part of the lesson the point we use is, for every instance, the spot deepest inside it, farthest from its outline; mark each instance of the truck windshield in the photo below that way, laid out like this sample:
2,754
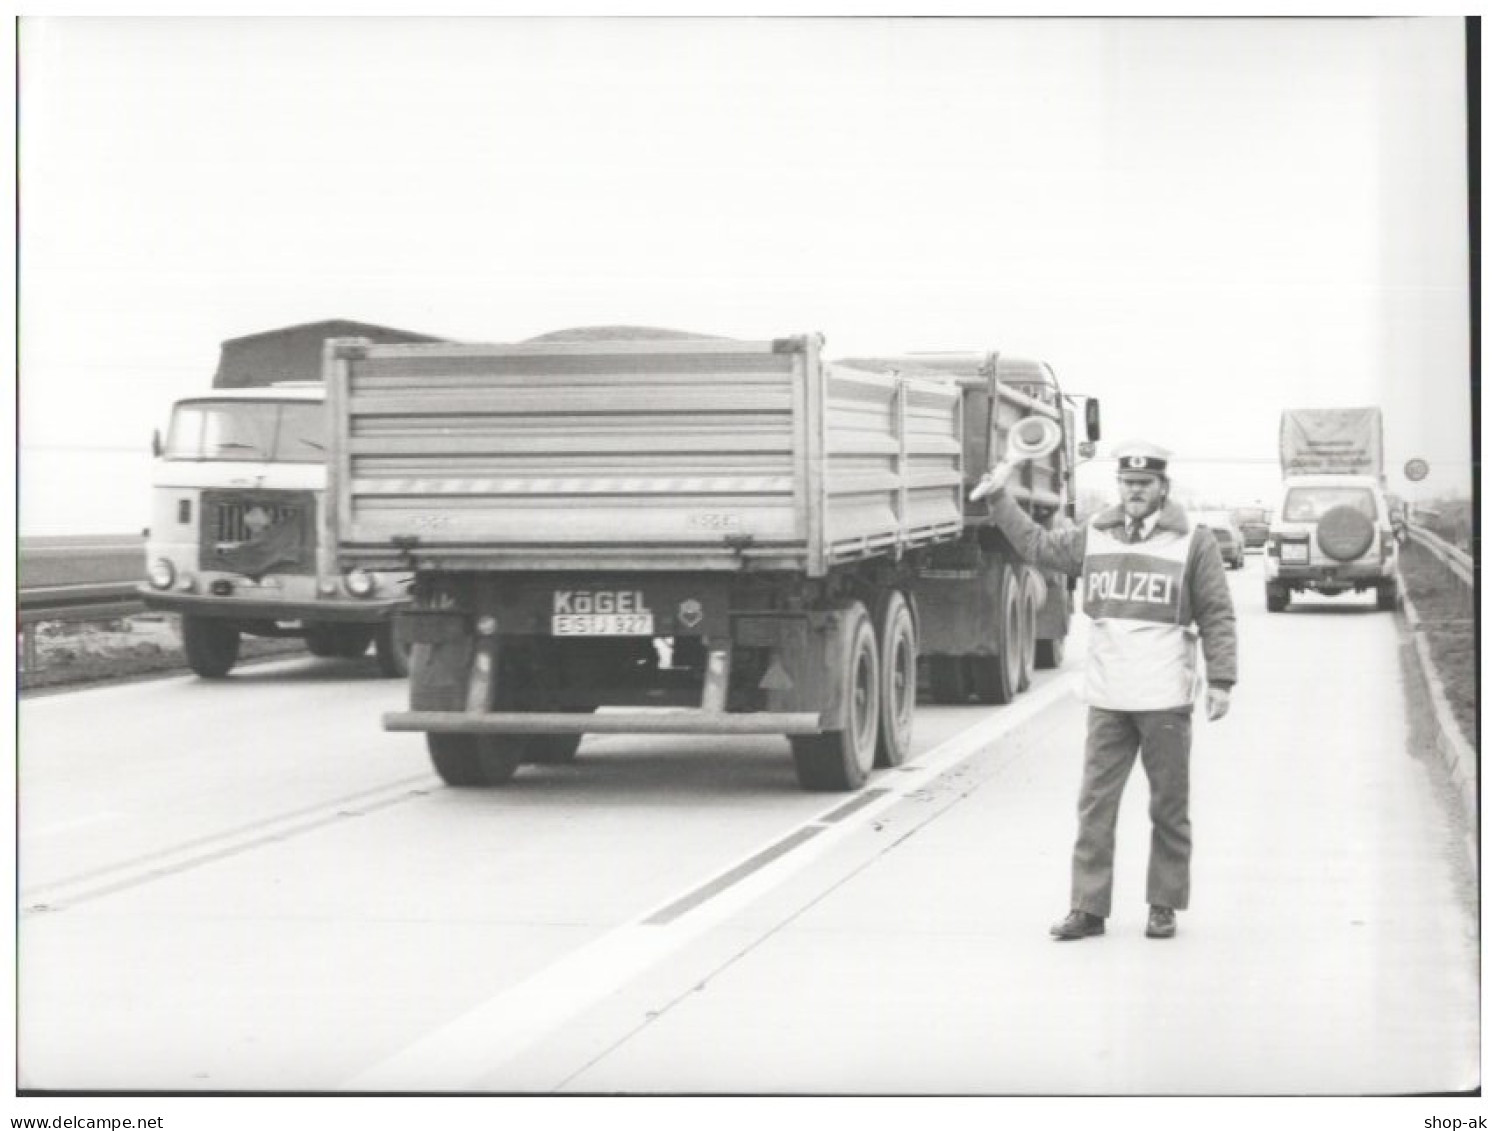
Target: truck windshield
274,431
1307,504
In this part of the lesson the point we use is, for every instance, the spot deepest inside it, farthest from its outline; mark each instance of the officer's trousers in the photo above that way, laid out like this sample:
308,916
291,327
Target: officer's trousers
1113,740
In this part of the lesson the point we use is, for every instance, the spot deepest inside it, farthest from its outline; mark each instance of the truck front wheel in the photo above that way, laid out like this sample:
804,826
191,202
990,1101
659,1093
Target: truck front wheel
841,759
997,679
466,760
392,653
211,646
1028,632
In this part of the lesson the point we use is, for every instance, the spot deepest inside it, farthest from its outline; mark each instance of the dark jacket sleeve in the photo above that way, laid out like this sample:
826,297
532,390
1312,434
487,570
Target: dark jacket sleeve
1059,550
1211,605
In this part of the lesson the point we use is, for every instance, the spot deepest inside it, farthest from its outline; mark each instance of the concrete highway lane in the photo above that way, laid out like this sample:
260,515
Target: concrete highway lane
248,886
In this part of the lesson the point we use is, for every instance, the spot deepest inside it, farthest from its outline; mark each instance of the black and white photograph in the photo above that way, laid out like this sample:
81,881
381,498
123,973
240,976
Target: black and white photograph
626,557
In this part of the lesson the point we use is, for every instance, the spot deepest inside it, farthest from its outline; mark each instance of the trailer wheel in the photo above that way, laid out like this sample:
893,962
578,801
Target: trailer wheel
948,679
897,682
466,760
841,759
211,646
1387,596
995,679
1050,653
393,654
1276,597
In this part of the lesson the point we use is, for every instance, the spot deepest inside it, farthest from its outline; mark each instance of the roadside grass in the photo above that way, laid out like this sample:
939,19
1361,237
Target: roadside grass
1447,618
69,654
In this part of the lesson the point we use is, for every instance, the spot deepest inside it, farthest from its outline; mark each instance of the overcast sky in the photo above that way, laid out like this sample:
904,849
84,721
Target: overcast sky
1199,222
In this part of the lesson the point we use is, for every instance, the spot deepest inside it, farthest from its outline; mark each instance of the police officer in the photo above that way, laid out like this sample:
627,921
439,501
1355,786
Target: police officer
1152,585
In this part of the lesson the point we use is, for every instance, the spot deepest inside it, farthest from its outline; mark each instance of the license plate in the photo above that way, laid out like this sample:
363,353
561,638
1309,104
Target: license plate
603,624
1295,552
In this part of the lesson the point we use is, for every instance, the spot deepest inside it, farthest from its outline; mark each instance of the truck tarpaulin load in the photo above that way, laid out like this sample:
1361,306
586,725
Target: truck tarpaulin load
1331,441
677,536
1332,531
234,545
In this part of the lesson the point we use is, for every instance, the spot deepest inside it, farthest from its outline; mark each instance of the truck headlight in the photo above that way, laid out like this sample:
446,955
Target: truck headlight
161,574
359,582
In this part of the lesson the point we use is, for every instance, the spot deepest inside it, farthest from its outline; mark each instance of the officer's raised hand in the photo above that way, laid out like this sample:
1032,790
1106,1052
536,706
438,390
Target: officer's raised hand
993,481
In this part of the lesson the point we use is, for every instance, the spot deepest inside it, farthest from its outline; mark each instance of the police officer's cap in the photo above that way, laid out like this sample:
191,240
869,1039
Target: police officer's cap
1139,455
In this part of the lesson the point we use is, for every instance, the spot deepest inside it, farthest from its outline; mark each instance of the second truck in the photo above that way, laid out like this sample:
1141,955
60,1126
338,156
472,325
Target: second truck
234,547
692,536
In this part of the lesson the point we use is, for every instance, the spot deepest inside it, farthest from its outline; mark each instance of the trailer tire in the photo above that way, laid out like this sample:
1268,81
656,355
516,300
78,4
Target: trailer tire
898,654
392,653
211,646
948,679
1276,597
841,759
1387,596
1050,653
467,760
995,679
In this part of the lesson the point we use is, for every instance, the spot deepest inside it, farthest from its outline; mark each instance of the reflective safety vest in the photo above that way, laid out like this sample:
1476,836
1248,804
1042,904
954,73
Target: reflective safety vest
1143,656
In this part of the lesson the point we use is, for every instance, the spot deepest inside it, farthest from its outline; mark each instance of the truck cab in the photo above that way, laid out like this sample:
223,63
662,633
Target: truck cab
235,544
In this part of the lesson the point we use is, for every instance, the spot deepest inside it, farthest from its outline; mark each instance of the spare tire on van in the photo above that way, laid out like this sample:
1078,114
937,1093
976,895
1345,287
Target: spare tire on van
1344,533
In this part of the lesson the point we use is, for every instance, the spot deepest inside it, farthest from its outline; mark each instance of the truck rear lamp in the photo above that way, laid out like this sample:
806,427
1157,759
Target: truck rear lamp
162,574
221,587
327,587
359,582
487,625
187,583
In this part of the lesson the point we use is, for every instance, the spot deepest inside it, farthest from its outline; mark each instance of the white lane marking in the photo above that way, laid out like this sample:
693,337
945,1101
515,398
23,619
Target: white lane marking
455,1056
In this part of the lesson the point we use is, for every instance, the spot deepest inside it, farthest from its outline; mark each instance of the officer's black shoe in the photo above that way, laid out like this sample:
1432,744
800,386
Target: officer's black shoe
1079,925
1161,923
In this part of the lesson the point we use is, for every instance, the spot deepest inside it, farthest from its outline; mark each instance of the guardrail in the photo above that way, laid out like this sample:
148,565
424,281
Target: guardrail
1459,562
104,601
76,578
108,601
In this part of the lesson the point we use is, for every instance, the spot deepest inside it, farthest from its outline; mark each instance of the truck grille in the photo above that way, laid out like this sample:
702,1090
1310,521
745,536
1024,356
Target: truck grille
258,532
230,525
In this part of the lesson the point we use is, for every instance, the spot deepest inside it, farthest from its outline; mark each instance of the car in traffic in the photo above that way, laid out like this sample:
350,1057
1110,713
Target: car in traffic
1331,534
1228,537
1253,522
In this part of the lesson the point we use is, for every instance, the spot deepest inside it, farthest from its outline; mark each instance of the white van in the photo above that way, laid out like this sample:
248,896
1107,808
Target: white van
1331,534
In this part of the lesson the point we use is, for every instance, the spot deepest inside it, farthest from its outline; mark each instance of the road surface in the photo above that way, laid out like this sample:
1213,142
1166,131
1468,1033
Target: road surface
247,886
